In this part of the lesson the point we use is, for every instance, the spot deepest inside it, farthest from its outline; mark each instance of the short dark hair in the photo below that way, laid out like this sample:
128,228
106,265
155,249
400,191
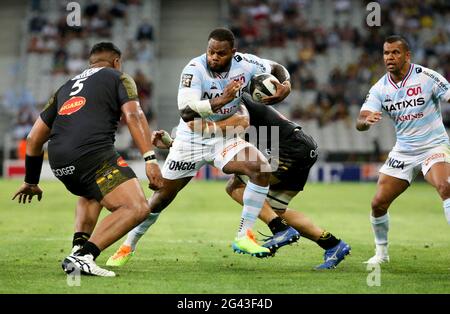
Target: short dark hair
222,34
105,46
394,38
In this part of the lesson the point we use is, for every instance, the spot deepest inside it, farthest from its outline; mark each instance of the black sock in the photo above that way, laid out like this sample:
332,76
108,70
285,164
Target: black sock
327,241
277,225
80,238
89,248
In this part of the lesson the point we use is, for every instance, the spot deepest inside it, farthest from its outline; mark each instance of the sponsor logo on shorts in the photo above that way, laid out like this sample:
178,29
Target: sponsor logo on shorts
72,105
231,146
181,165
63,171
121,162
394,163
433,157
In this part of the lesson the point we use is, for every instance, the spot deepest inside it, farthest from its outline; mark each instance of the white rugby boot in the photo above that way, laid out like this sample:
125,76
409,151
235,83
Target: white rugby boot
381,255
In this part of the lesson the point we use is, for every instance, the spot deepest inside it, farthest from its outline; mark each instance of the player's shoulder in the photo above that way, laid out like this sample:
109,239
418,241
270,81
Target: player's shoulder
196,64
247,59
381,83
106,71
426,73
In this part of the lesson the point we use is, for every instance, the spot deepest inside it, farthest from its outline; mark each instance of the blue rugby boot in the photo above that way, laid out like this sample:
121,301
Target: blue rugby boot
282,238
335,255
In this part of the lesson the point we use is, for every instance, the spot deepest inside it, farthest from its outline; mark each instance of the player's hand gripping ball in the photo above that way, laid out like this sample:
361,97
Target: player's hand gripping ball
261,86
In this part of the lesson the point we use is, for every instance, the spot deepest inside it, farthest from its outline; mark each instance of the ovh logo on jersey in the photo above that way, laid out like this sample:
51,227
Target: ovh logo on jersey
411,91
414,91
72,105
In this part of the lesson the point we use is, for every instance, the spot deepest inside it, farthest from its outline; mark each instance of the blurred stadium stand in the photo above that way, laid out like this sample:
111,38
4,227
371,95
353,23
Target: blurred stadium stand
333,57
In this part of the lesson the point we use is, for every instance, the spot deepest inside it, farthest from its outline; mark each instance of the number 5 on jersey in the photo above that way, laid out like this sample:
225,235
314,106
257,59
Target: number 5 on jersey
78,85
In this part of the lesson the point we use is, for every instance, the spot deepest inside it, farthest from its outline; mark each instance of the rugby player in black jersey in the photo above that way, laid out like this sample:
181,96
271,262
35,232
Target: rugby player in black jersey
79,123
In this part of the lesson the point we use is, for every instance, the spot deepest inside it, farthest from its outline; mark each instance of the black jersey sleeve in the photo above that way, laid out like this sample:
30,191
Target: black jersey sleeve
48,115
127,89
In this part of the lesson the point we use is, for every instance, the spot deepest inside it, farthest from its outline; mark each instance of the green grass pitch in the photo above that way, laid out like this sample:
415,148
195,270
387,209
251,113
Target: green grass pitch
189,249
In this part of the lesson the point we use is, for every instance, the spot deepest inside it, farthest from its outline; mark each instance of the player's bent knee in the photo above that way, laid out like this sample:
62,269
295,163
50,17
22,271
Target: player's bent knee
160,200
142,210
379,207
257,174
230,188
443,189
233,184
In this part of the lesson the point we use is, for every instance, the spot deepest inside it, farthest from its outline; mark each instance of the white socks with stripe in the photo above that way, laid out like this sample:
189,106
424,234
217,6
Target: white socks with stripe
447,209
254,197
380,227
138,231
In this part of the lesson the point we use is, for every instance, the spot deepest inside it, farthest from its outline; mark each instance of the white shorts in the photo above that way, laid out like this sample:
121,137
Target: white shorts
407,166
186,158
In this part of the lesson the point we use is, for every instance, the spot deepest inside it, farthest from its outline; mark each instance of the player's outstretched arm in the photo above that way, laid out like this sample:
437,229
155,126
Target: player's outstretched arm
39,134
366,119
140,132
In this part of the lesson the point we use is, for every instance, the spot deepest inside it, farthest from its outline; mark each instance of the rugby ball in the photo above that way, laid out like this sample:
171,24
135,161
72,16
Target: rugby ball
261,86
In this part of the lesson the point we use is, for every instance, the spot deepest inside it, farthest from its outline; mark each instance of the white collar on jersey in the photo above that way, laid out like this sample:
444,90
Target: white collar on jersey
402,82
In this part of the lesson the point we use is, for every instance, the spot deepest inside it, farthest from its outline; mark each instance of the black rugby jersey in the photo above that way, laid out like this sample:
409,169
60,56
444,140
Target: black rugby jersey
263,117
84,113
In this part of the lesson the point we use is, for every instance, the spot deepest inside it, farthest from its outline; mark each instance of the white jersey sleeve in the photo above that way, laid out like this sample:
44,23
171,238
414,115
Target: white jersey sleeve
441,87
373,100
190,88
257,65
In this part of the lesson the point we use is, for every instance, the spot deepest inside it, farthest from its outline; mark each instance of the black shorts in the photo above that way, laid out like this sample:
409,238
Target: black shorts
298,153
94,175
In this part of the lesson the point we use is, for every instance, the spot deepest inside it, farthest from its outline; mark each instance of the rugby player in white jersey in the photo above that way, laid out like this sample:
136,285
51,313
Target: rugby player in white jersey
411,96
210,88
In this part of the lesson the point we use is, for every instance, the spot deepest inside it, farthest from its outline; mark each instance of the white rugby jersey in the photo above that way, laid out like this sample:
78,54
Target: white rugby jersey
414,106
208,85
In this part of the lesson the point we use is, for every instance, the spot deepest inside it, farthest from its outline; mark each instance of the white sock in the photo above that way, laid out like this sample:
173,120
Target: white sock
380,226
254,197
447,209
138,231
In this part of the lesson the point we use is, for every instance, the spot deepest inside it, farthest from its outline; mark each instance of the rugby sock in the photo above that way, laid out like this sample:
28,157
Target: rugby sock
80,238
277,225
254,197
89,248
327,240
380,226
447,209
135,234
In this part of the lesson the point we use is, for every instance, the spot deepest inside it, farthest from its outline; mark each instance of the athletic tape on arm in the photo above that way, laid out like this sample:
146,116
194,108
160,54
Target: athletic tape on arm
190,98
